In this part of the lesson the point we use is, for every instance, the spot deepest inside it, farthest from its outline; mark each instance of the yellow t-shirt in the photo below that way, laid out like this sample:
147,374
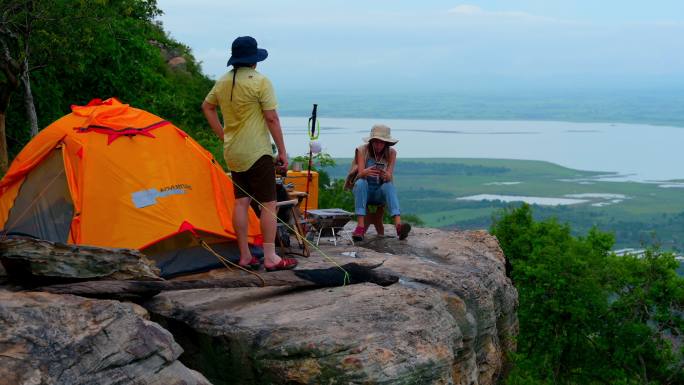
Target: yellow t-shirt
245,133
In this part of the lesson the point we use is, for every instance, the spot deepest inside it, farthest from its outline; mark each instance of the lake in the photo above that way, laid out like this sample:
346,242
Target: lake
636,152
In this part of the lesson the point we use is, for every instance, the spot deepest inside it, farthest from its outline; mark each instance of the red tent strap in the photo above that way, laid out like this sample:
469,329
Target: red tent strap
114,134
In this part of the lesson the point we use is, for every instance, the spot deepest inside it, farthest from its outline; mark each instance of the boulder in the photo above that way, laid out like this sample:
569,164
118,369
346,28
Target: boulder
32,261
468,267
178,63
64,339
450,320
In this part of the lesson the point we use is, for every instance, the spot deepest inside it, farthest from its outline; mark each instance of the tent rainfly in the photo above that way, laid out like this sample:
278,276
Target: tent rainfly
111,175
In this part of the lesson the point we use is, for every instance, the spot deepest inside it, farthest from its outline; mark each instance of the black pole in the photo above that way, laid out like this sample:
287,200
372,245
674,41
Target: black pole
312,121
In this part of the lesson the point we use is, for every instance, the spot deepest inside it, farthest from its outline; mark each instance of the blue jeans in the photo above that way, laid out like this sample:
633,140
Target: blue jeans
375,194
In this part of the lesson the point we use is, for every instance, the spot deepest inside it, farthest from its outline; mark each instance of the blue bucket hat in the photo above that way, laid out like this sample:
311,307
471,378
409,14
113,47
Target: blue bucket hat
244,51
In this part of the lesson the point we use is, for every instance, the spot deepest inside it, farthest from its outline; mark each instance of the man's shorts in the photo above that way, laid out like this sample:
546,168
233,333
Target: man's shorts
258,181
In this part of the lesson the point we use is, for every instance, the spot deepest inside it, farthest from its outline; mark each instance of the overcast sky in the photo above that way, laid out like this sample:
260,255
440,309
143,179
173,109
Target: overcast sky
402,45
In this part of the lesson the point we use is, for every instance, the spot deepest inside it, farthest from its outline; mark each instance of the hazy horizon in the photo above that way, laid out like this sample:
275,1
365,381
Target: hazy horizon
442,46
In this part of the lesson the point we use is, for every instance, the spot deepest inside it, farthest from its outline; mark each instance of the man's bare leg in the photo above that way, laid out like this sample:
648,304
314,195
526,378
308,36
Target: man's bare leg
241,225
268,230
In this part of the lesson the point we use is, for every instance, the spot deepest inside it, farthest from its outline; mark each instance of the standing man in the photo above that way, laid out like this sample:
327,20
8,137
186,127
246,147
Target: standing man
248,105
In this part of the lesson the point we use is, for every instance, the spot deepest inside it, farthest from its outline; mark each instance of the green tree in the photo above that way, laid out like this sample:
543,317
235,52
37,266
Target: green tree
646,317
586,315
319,163
83,50
334,195
331,192
17,22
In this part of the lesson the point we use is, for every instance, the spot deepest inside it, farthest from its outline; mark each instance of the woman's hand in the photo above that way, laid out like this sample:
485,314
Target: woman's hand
370,171
387,176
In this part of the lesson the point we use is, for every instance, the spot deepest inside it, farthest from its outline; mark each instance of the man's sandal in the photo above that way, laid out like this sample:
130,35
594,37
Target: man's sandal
284,264
252,265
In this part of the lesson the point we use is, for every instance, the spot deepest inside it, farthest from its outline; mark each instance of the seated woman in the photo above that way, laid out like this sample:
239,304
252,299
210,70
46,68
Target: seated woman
374,163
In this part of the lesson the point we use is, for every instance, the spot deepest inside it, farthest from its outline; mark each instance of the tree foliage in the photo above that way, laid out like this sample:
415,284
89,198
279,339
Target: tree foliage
331,192
108,48
588,316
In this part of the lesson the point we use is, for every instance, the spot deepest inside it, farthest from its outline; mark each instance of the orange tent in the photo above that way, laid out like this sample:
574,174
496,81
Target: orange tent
111,175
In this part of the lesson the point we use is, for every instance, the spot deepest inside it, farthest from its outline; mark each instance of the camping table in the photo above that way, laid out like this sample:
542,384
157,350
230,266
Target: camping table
333,219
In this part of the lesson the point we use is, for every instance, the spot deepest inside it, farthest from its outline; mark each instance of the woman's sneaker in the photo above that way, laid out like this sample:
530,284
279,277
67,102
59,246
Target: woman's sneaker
358,233
403,230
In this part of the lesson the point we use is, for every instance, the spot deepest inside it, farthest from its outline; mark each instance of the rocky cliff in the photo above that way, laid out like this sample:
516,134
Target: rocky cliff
64,339
451,319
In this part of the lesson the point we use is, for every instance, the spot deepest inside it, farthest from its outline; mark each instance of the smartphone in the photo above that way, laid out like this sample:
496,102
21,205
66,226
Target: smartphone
380,165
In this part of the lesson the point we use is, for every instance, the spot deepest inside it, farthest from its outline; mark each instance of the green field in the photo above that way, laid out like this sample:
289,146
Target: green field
430,188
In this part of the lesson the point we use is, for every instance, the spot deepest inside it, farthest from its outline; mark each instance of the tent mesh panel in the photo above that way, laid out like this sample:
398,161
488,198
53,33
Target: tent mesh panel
43,207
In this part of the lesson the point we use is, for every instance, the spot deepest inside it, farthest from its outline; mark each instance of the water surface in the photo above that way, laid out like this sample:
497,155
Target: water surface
638,152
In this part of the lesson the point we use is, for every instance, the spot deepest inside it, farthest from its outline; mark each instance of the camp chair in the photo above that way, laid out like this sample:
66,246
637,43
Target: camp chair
293,224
